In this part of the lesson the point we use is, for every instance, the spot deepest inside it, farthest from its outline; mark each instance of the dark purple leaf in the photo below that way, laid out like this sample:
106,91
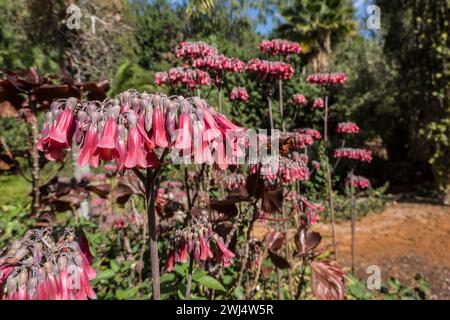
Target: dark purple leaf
279,261
272,200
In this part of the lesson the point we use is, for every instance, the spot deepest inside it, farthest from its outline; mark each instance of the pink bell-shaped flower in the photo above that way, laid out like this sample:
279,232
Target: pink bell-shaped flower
159,128
88,155
106,147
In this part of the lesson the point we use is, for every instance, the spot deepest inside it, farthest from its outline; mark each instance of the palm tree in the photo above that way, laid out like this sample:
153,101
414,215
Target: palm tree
317,25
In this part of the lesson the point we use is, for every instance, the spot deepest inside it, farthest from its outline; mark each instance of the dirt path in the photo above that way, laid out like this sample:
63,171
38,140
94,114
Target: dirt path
405,239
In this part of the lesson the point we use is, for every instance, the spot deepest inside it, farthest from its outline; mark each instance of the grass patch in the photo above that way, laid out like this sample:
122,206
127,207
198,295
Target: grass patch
14,190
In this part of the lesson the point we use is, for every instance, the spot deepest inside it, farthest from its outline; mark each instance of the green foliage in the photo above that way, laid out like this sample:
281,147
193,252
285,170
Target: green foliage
15,191
158,29
393,289
368,201
416,44
14,222
16,52
129,75
318,26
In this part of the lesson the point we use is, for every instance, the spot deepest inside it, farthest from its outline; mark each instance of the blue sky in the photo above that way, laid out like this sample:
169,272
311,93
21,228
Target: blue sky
266,28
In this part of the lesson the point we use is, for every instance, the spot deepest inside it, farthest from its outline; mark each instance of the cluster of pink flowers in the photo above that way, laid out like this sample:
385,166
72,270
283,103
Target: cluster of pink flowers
201,242
132,127
161,78
235,181
299,100
302,158
316,165
190,78
354,154
285,169
193,50
303,140
311,210
171,190
39,268
311,132
121,221
268,70
300,140
278,47
219,63
347,127
318,103
327,79
239,93
358,182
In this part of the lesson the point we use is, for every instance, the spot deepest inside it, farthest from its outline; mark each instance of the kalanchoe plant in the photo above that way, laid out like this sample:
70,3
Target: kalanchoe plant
137,131
192,50
283,48
327,278
352,156
326,81
358,182
217,65
198,242
311,132
279,47
234,182
363,155
347,127
41,267
285,169
239,94
318,103
268,70
185,77
299,100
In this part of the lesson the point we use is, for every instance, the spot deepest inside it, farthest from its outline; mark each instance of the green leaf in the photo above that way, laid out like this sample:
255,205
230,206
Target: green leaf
105,275
168,277
199,274
114,265
238,293
210,282
181,269
227,279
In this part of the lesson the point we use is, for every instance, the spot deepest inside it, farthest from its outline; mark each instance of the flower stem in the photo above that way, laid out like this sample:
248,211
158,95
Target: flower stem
35,171
329,181
353,213
189,278
151,216
220,98
269,102
280,90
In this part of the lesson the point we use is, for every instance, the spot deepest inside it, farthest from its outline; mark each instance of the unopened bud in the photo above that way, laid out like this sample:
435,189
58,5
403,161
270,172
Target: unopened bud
71,102
20,253
148,117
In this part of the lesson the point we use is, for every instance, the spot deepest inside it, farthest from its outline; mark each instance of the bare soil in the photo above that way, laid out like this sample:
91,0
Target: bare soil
403,240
